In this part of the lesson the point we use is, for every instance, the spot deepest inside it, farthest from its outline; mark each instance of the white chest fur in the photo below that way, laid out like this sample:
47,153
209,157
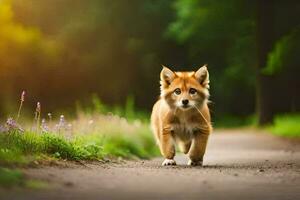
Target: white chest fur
184,129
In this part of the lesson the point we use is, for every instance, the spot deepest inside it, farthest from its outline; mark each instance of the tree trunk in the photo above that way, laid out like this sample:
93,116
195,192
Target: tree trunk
265,41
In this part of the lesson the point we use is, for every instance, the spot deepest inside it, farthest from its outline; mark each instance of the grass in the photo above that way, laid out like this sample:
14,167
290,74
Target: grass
11,177
91,137
98,133
107,136
14,177
127,110
286,125
230,121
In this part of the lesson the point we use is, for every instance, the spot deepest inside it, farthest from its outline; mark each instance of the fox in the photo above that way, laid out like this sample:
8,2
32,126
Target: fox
181,115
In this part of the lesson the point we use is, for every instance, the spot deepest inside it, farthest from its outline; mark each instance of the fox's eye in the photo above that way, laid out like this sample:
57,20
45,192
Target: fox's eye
177,91
193,91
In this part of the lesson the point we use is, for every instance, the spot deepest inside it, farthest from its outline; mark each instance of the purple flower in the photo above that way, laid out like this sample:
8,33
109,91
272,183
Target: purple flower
11,124
3,129
44,126
61,126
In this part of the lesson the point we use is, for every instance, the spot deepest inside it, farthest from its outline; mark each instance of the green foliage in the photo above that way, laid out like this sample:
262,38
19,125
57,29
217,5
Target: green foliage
275,57
62,148
29,143
98,105
35,184
230,121
286,125
190,17
21,148
126,146
284,53
12,156
221,34
15,178
128,110
114,49
11,177
103,50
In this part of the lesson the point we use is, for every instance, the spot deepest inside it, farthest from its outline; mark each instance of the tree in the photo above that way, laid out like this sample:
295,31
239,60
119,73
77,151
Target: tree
221,34
277,30
21,49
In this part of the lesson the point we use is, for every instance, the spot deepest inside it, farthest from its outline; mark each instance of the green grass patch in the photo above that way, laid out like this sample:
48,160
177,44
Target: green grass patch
127,147
98,131
11,177
128,110
113,137
286,125
35,184
15,178
96,134
230,121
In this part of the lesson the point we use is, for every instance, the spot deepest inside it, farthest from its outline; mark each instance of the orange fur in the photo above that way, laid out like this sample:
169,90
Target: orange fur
181,115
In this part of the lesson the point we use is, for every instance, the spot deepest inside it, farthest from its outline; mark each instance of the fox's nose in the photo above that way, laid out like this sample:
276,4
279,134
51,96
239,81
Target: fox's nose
185,102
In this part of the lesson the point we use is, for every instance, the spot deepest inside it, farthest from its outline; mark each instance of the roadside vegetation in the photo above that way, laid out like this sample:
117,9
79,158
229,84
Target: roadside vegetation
96,135
230,121
286,125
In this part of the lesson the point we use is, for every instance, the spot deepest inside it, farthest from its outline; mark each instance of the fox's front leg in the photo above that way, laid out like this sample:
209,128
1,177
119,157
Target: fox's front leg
167,147
198,148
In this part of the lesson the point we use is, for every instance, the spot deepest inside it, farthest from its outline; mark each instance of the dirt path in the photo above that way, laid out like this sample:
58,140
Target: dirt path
238,165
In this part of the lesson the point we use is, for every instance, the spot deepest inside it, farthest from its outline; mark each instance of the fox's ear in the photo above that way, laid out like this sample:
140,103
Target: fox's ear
166,76
202,76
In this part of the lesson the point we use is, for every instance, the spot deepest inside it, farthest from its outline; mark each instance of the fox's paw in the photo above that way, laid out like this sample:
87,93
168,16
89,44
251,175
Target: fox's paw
195,163
168,162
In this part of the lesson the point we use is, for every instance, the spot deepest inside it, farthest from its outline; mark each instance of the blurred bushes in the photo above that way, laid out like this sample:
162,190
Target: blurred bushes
110,48
284,55
11,177
62,51
104,138
287,125
128,111
221,34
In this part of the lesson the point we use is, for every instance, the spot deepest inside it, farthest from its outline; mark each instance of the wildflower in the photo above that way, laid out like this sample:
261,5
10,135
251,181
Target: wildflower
50,121
69,130
3,129
21,104
61,124
62,121
56,128
44,126
50,117
13,125
23,96
37,116
38,107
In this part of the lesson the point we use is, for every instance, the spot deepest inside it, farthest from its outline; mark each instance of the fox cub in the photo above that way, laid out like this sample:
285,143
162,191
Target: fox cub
181,115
